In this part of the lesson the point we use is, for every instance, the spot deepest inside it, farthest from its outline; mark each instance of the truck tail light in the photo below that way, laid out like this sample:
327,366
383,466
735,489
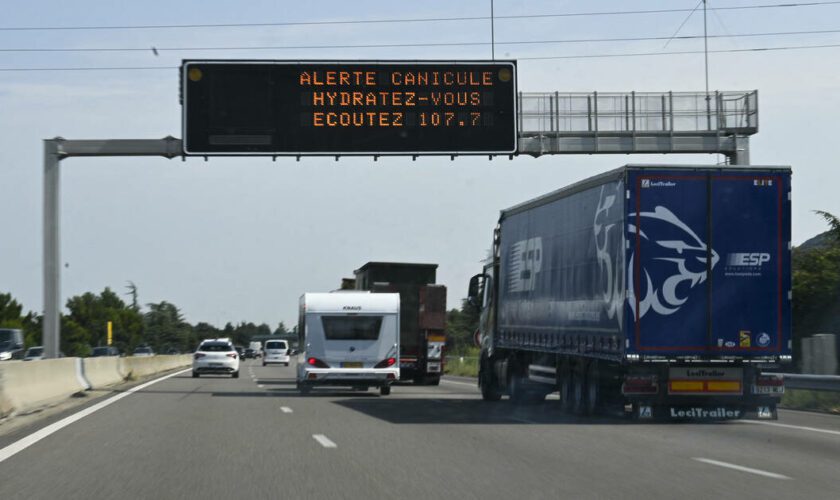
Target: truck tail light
769,383
317,363
198,355
385,363
640,384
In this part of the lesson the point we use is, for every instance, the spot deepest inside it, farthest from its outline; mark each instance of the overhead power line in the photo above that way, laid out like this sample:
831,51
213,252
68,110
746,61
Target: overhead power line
407,20
426,44
533,58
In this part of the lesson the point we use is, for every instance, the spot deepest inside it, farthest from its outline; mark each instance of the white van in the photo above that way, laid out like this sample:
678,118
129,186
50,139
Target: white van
276,351
349,339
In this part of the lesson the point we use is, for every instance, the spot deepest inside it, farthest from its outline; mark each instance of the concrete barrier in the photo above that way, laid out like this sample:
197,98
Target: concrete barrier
142,366
102,372
26,385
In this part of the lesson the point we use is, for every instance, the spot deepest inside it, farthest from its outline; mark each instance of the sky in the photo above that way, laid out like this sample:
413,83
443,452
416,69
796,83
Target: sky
240,239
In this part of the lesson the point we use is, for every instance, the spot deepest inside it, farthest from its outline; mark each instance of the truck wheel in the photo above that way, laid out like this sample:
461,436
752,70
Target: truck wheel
195,374
303,388
593,388
431,381
489,388
566,389
578,393
385,390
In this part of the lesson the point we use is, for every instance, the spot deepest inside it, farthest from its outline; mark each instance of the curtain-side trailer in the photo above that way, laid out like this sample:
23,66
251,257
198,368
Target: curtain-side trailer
663,290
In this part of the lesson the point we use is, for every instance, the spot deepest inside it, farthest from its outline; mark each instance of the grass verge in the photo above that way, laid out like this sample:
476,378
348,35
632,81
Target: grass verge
463,365
800,399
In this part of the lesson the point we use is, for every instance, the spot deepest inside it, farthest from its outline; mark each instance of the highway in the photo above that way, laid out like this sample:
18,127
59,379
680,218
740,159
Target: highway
254,436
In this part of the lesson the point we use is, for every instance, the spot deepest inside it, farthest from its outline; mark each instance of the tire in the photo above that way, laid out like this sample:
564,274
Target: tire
263,363
385,390
235,374
433,381
195,374
593,389
516,388
566,384
287,364
489,387
578,399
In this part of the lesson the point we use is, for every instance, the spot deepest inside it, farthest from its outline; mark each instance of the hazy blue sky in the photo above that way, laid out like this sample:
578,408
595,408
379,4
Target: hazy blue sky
241,239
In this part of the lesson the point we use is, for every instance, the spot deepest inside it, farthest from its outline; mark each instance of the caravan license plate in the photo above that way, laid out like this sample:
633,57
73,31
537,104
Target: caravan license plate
351,364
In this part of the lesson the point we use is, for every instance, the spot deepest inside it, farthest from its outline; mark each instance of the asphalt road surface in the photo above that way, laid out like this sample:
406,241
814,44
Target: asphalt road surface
217,437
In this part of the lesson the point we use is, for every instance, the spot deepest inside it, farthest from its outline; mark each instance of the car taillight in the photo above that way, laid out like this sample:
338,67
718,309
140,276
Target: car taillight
231,355
199,355
317,363
385,363
640,384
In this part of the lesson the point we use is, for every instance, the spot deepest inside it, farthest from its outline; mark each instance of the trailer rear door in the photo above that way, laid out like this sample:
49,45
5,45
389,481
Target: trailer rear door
709,262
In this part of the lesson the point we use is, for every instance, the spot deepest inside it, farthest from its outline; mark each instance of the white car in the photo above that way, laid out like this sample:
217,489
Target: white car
216,356
34,354
276,351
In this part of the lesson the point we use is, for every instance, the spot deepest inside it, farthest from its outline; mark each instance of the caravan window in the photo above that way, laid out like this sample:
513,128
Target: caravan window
351,327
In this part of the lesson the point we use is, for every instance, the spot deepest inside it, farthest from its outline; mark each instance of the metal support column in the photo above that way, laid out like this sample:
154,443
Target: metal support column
56,150
52,254
741,156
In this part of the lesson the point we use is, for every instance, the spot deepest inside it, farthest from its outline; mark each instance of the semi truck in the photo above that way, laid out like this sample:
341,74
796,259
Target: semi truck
661,291
422,314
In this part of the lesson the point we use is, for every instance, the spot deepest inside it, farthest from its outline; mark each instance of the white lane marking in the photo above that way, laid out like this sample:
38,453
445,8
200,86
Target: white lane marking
741,468
285,409
475,385
788,426
26,442
260,386
324,440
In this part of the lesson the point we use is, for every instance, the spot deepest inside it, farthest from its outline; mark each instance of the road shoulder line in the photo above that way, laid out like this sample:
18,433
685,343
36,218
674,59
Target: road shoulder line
25,442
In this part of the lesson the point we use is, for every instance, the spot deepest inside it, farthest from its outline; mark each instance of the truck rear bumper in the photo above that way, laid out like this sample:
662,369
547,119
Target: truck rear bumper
350,377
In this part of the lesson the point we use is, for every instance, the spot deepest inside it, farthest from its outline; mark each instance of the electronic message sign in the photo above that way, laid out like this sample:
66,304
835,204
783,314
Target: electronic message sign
348,107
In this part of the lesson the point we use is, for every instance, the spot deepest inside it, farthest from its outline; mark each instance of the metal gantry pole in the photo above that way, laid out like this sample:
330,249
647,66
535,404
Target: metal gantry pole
52,254
54,151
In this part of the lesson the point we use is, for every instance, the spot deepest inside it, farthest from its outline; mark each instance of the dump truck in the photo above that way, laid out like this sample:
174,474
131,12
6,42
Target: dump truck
422,314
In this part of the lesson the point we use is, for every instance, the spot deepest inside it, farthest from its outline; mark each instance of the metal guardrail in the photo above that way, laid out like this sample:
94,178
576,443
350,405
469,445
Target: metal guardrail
812,382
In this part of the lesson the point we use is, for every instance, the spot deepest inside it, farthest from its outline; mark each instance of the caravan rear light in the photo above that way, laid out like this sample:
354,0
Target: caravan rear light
385,363
640,384
317,363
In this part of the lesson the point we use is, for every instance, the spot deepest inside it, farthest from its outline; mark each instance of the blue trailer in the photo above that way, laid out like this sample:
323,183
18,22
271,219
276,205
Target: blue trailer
662,290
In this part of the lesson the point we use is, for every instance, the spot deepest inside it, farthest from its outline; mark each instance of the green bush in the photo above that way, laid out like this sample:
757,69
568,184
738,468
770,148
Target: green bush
463,364
800,399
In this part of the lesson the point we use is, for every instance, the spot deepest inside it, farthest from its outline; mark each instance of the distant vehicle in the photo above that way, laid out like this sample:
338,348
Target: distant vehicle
215,356
11,344
143,351
276,351
350,340
104,351
422,314
241,351
659,290
250,353
257,347
34,354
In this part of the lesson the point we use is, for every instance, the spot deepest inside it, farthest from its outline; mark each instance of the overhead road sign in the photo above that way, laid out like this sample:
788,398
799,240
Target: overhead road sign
240,107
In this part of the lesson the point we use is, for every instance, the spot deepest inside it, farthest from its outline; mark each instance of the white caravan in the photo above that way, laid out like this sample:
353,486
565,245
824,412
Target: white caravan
349,339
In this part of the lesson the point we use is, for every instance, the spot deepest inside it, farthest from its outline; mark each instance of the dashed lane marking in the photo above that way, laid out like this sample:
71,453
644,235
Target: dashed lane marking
285,409
324,441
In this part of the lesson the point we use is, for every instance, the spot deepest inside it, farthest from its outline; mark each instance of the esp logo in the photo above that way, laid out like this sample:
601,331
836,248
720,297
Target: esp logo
748,259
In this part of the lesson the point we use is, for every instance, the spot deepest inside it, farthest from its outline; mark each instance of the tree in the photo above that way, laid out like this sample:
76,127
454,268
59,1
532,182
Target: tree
88,323
816,285
281,330
460,327
165,328
10,312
